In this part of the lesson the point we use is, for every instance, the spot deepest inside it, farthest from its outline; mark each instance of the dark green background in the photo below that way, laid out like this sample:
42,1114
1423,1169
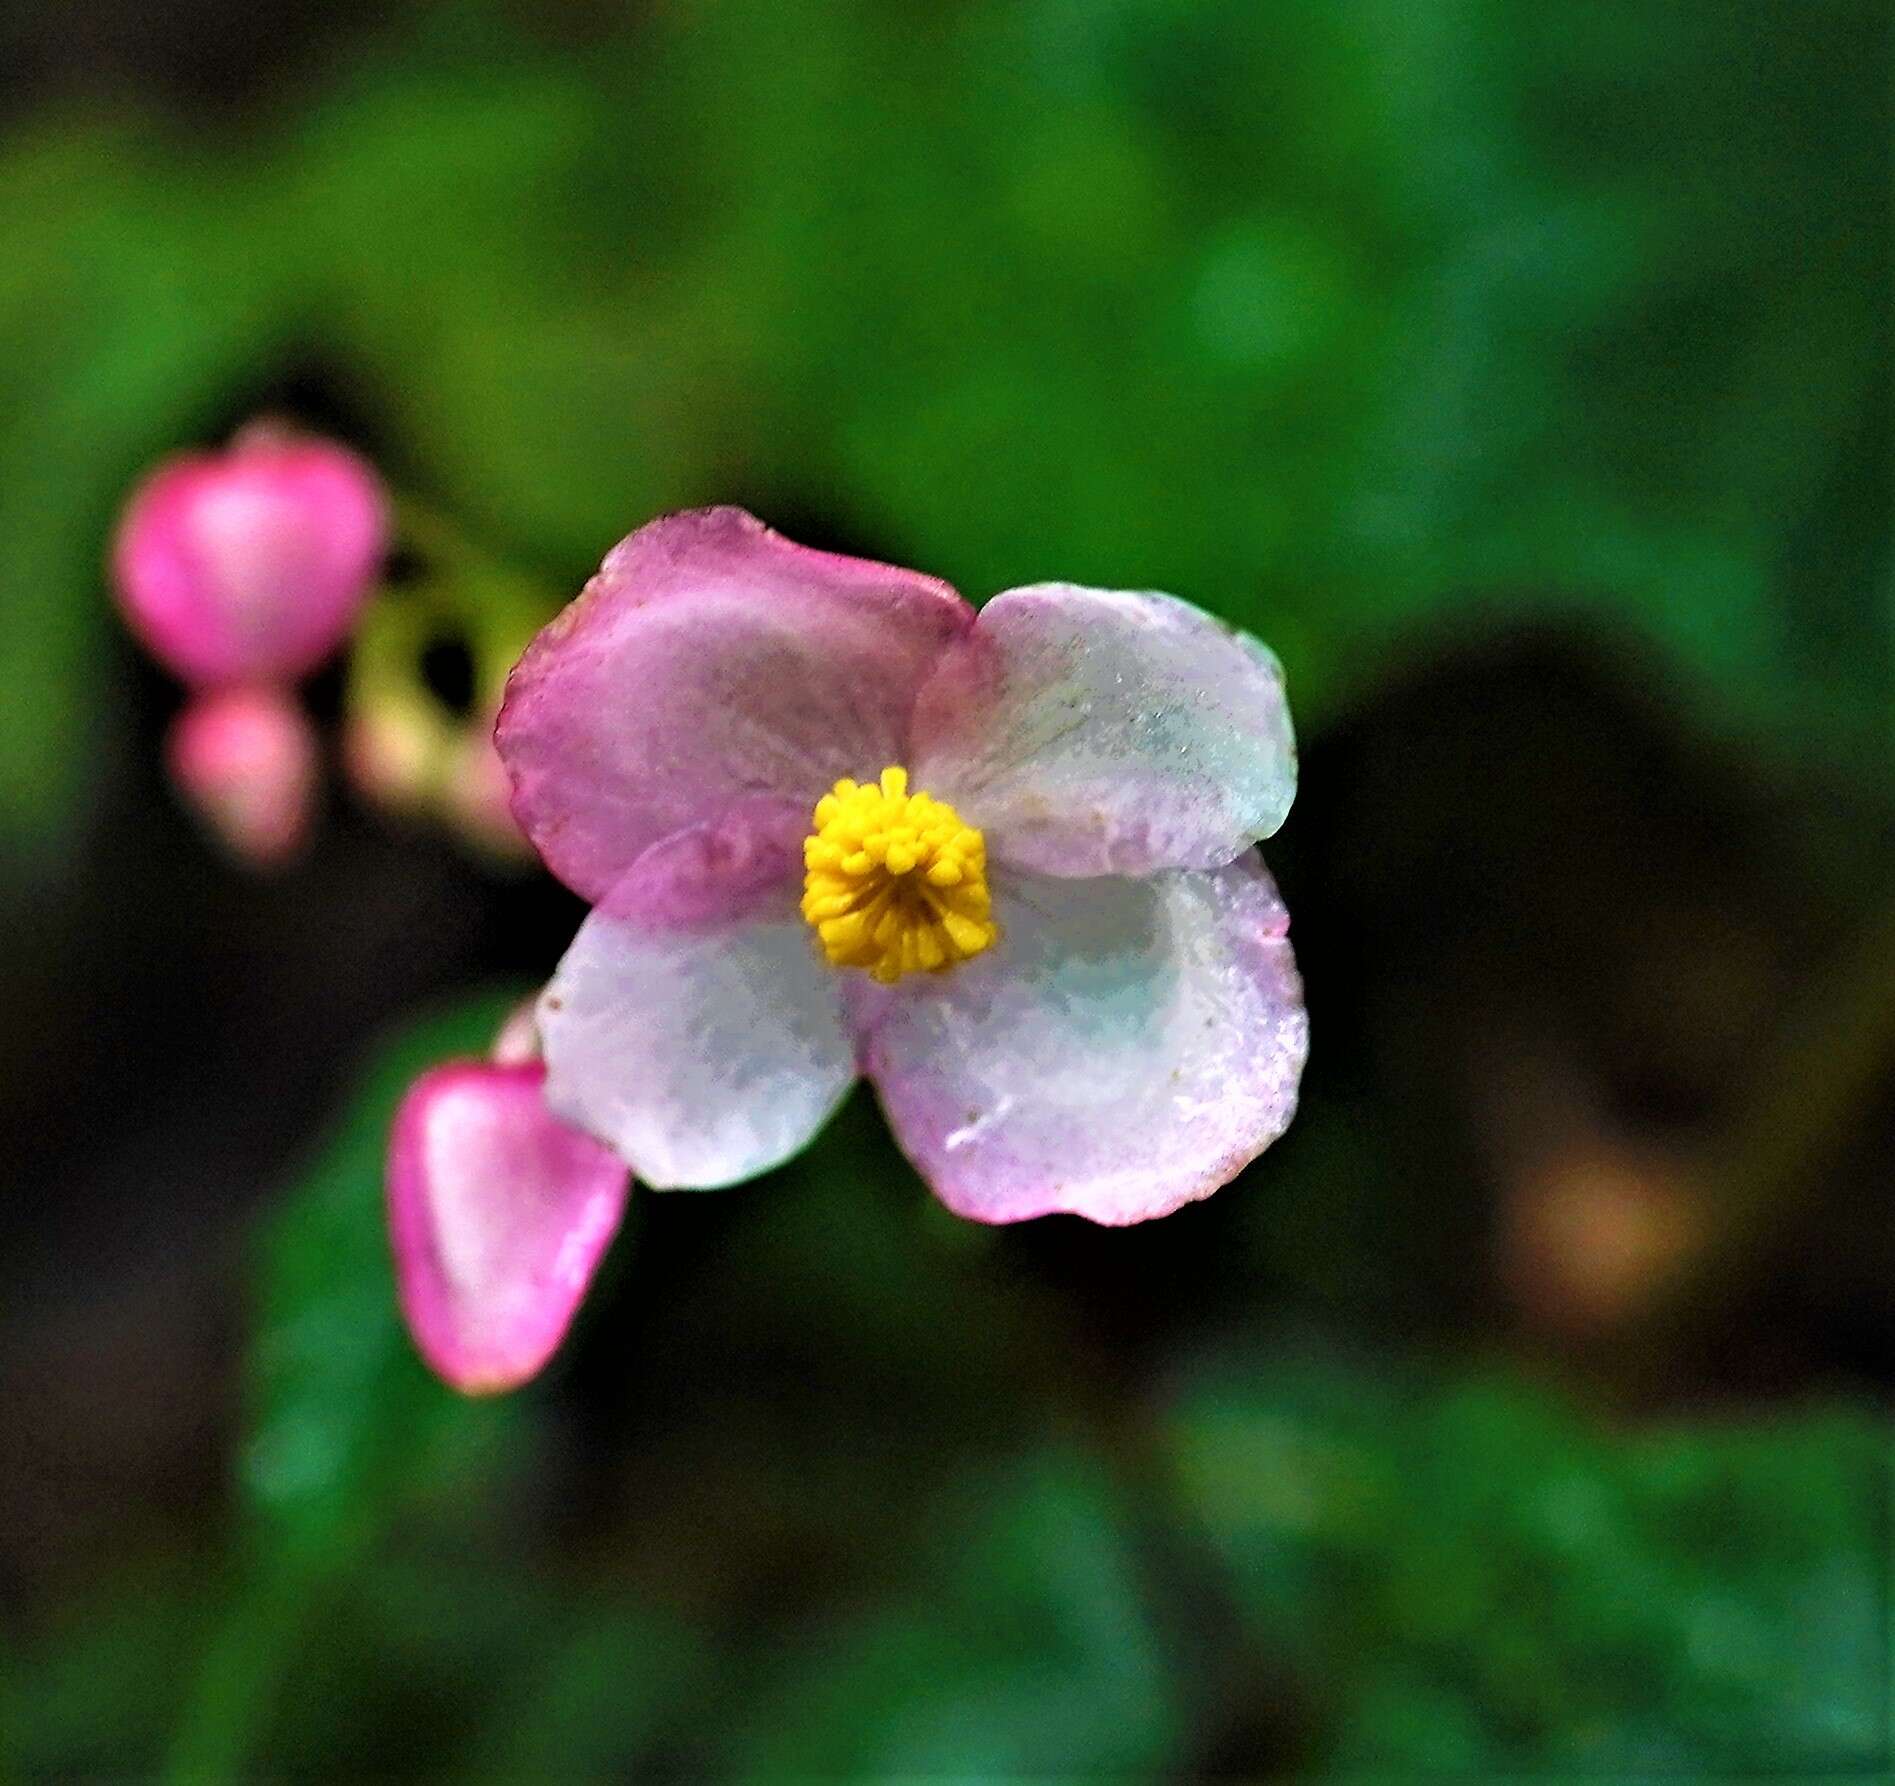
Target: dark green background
1521,373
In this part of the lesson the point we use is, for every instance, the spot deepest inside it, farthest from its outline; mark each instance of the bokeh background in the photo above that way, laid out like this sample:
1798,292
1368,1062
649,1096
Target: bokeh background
1521,372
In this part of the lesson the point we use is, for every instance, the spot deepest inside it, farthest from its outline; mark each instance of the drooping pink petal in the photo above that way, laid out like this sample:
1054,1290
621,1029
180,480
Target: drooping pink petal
691,1024
499,1214
250,564
1127,1047
246,761
1097,731
708,661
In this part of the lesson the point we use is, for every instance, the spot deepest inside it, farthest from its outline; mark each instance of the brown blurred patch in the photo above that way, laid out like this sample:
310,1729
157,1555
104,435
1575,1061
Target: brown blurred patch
1563,938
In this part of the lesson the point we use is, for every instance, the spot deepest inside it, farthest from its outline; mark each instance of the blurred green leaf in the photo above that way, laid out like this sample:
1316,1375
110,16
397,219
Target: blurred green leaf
597,1695
132,280
1318,316
466,1652
1324,317
1022,1647
97,1693
346,1420
347,1427
1473,1575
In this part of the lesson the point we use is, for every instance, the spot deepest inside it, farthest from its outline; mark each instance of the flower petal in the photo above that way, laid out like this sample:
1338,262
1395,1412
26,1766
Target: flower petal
711,659
499,1214
251,564
1099,731
1126,1048
691,1024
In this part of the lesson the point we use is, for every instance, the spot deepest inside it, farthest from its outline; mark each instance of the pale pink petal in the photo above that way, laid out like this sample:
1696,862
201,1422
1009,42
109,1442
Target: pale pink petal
1098,731
250,564
1127,1047
711,660
499,1214
691,1024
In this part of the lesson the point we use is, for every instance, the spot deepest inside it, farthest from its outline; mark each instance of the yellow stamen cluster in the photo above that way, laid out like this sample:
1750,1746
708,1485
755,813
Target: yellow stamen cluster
895,882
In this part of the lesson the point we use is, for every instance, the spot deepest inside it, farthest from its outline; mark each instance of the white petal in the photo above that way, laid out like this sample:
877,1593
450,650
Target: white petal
1128,1047
1102,731
696,1033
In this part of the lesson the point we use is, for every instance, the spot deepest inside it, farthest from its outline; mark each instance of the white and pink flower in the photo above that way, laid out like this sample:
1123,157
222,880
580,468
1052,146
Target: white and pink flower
834,823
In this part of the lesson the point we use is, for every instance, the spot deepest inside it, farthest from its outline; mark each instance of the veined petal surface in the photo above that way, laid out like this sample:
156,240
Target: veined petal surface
711,661
692,1024
1099,731
1127,1047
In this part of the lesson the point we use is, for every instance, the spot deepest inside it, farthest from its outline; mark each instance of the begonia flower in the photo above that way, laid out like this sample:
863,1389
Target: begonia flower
498,1213
832,823
245,760
250,565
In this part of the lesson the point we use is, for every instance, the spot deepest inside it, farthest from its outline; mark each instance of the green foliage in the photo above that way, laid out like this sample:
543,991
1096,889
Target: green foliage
345,1417
368,1577
346,1426
1472,1575
594,1697
1018,1646
133,307
98,1693
1328,317
1322,316
484,1669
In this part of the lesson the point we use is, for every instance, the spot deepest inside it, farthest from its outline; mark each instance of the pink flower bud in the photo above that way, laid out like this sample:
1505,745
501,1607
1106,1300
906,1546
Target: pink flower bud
498,1215
245,760
517,1042
250,564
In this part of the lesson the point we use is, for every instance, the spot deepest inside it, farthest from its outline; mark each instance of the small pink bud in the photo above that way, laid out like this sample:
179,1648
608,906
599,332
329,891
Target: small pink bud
245,760
498,1214
250,564
517,1042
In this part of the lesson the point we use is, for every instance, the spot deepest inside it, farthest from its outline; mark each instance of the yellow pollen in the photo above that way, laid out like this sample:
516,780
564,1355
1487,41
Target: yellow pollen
895,882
